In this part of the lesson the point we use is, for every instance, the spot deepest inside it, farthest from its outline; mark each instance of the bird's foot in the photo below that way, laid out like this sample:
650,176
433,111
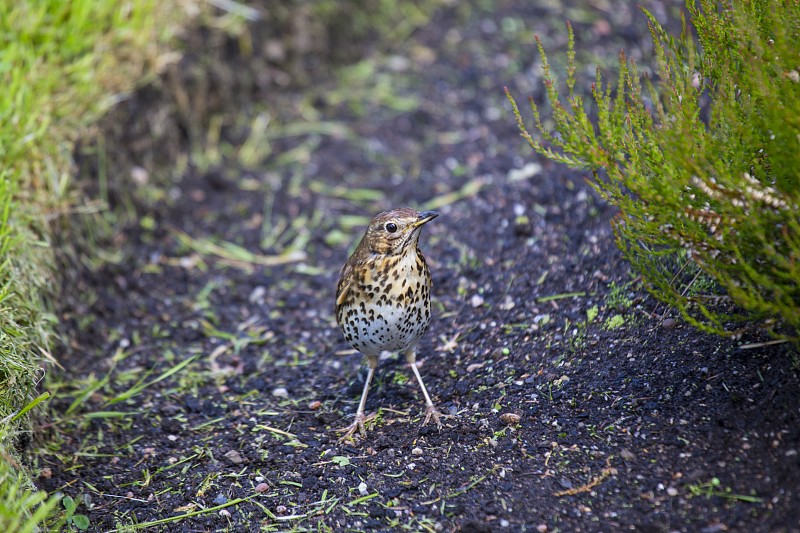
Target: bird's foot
358,425
431,412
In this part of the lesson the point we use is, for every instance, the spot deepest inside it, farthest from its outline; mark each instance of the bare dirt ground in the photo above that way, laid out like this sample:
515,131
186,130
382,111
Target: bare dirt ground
574,406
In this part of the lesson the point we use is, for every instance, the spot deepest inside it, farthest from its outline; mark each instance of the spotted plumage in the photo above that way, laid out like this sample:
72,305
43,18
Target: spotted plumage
383,299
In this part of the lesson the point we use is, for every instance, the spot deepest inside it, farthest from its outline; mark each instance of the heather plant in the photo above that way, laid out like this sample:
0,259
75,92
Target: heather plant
703,162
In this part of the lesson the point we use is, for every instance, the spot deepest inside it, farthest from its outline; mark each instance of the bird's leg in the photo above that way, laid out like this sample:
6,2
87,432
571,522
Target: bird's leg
358,423
430,409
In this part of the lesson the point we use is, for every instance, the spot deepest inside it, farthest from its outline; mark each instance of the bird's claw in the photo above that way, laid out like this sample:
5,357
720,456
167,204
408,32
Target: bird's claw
431,412
357,426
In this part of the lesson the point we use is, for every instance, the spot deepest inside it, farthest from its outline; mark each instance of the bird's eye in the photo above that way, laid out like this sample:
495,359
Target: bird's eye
391,227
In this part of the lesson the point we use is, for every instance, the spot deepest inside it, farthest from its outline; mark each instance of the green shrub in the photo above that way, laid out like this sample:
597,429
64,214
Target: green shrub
704,164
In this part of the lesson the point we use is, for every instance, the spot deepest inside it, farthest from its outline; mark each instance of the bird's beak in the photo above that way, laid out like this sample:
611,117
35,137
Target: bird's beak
425,216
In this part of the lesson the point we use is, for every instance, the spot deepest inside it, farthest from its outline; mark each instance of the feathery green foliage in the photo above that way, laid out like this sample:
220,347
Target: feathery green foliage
703,164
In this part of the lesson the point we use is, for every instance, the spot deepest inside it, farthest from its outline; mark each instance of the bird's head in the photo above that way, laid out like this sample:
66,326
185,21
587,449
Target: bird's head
392,232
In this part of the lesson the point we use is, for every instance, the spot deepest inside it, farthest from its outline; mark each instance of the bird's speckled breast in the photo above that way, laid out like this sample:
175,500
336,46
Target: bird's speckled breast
388,306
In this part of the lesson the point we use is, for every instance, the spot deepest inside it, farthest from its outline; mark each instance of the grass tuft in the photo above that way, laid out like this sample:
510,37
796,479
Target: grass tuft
62,64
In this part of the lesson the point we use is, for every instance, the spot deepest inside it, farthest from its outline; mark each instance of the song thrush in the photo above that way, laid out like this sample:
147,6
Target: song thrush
383,299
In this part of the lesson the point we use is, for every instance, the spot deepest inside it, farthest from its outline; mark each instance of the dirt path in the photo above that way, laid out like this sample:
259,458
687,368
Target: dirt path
618,422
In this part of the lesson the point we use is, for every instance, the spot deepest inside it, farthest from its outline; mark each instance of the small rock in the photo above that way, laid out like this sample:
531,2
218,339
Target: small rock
234,457
510,419
672,491
140,176
504,523
220,500
669,323
417,451
262,487
627,454
257,295
224,513
362,489
476,300
281,392
508,303
281,509
315,405
541,528
46,473
714,528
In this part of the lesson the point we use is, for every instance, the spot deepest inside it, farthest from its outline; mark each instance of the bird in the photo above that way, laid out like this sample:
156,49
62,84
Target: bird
383,299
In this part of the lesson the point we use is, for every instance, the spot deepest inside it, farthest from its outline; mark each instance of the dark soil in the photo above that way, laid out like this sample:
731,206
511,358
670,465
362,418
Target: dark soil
621,421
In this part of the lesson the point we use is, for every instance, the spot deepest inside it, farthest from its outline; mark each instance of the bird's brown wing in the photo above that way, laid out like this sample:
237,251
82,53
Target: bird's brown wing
344,284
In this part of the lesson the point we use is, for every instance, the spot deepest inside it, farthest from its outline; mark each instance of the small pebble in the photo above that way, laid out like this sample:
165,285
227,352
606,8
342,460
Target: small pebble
541,528
280,392
362,489
417,451
140,176
672,491
257,295
504,523
234,457
476,300
225,513
262,487
220,499
627,454
281,509
510,419
669,323
315,405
